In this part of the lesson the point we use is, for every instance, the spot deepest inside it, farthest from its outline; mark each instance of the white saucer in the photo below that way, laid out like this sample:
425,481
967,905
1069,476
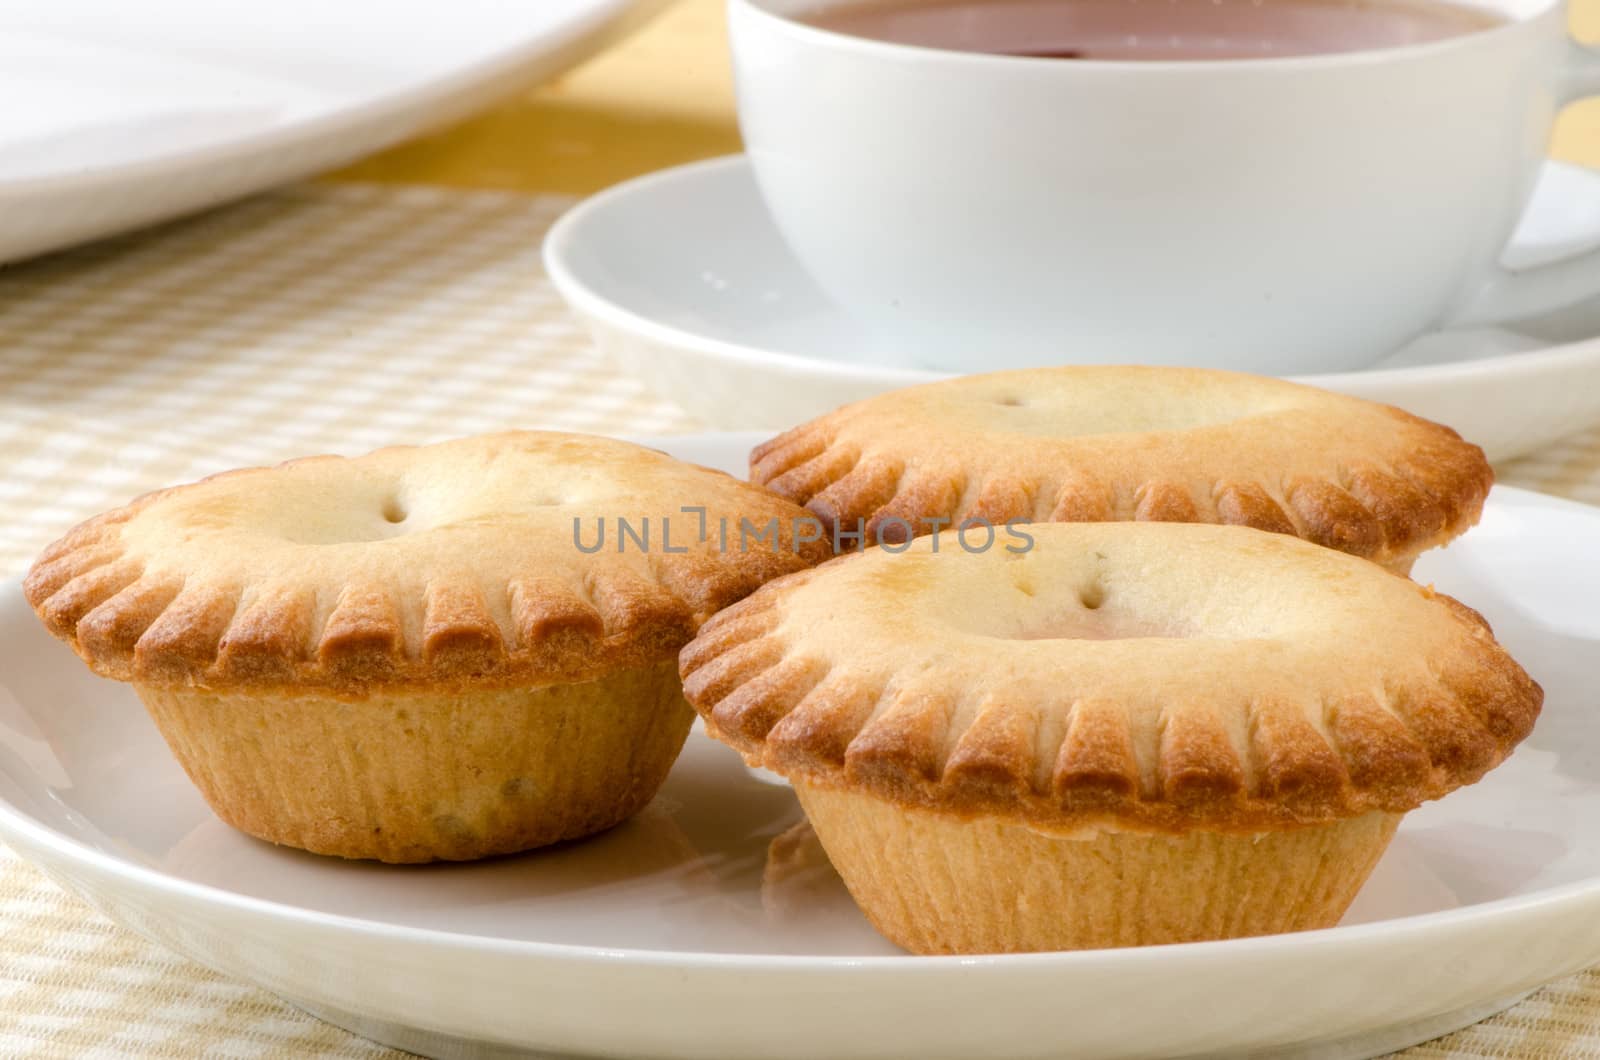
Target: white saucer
676,936
683,279
131,120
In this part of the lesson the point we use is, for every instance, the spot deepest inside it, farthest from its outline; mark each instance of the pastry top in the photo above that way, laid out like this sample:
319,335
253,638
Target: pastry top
1158,444
415,565
1149,676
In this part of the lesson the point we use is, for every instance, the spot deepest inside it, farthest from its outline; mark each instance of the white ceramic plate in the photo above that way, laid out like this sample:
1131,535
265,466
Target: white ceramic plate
707,928
682,277
121,115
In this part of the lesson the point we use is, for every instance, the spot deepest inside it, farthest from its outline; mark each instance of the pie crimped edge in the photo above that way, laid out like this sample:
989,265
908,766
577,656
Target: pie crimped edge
1349,474
1234,752
178,588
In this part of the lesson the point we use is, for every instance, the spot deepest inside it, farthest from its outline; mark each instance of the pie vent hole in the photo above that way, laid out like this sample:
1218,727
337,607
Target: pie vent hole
1010,401
1091,596
394,511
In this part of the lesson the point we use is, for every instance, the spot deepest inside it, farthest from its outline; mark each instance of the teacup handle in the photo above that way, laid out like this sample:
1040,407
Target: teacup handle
1513,293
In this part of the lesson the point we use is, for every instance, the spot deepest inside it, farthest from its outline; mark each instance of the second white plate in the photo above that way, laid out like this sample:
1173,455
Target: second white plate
711,927
681,276
123,119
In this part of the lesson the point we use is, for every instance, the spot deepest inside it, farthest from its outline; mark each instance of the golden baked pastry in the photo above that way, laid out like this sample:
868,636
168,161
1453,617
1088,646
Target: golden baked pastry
1126,734
407,655
1120,443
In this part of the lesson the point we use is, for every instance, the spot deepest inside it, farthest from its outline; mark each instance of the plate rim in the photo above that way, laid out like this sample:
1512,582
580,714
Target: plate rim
583,297
27,834
598,21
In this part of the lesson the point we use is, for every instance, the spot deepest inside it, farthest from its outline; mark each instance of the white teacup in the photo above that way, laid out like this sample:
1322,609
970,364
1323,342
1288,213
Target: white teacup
1287,215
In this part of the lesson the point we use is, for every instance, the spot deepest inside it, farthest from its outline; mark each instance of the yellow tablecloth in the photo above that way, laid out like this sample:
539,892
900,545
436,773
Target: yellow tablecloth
341,316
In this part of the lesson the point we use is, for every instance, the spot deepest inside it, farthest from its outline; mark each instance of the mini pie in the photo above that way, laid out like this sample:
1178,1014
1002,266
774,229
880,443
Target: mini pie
407,656
1149,444
1126,734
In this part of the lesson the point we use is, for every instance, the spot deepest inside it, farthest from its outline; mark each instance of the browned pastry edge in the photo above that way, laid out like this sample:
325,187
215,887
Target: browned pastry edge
1384,511
159,631
1391,757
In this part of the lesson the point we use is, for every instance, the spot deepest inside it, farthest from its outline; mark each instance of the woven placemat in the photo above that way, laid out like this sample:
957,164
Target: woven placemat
337,319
